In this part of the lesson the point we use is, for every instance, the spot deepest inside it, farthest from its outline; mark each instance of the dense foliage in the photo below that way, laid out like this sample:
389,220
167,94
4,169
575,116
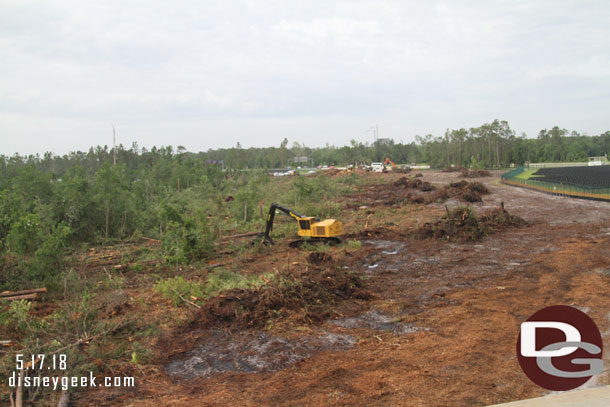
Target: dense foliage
187,200
52,204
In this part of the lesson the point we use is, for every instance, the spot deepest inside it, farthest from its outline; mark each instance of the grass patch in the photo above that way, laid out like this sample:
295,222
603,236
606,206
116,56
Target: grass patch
354,244
526,174
178,290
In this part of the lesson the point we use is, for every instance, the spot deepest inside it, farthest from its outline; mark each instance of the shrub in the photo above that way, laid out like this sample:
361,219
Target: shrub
224,280
185,243
17,315
174,288
351,179
49,255
322,209
25,234
354,244
303,188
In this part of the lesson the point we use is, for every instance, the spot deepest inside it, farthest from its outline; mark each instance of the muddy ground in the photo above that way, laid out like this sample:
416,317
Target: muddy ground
439,328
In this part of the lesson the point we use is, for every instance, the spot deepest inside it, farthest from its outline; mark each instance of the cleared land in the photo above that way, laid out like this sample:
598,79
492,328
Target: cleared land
434,322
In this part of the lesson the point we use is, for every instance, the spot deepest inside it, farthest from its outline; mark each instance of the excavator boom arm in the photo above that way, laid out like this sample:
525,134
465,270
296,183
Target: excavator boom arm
271,217
387,160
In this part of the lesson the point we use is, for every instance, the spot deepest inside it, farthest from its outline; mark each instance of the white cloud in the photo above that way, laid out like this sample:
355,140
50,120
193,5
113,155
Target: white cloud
321,28
442,8
250,68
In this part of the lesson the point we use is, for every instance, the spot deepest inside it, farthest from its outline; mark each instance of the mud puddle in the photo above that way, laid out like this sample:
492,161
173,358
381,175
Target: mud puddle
253,353
378,321
385,249
386,246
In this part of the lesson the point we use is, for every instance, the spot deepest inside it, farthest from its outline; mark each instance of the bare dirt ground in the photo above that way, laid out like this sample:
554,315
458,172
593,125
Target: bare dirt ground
439,329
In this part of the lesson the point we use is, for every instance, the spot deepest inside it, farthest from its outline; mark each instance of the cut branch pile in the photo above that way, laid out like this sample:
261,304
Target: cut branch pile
462,223
313,292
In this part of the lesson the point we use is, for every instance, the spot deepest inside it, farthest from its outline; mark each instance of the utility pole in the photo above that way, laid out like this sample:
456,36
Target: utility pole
375,130
113,145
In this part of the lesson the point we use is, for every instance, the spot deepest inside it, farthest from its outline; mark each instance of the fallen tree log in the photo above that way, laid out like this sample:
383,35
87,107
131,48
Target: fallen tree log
21,292
122,266
214,265
33,296
241,235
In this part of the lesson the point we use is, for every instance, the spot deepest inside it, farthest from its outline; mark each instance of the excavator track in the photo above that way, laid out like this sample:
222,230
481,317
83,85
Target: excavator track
332,241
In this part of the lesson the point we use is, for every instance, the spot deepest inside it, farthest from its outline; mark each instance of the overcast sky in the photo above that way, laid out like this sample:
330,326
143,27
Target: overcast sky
207,74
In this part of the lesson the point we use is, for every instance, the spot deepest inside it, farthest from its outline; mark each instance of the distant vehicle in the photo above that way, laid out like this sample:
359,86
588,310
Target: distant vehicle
377,167
283,173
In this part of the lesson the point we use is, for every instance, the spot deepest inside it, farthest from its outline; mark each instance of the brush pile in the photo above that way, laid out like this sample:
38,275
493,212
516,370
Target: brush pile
462,224
466,173
311,294
462,191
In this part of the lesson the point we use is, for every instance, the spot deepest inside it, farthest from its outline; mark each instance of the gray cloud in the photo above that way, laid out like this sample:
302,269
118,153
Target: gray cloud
209,74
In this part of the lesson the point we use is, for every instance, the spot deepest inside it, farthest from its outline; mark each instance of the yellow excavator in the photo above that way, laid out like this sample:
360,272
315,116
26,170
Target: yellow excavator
317,231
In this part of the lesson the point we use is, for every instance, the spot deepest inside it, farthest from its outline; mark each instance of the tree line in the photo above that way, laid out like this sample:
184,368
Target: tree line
495,145
491,145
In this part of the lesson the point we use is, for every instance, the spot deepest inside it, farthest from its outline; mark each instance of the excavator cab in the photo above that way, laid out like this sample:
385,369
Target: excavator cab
328,228
310,227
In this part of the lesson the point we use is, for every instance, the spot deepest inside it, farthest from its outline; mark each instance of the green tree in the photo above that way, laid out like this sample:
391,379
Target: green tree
113,199
25,234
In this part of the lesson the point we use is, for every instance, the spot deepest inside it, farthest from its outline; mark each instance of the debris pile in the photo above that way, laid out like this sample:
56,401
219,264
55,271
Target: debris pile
453,169
466,191
319,258
413,183
313,292
466,173
462,223
462,190
414,190
401,170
